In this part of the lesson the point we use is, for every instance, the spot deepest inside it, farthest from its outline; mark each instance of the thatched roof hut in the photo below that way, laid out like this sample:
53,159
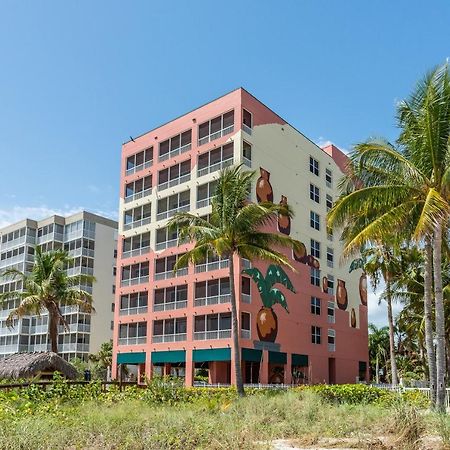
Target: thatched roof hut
41,364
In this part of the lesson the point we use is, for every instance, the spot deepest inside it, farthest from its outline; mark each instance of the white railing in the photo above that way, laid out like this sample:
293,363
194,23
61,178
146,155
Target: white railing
133,340
80,270
134,281
78,234
14,260
214,167
247,129
136,252
39,329
53,236
42,348
331,347
172,212
73,347
171,274
176,151
204,203
246,334
137,223
216,135
81,252
138,195
174,182
166,244
246,298
214,265
212,300
133,311
19,241
178,337
216,334
75,327
139,167
170,306
331,319
247,162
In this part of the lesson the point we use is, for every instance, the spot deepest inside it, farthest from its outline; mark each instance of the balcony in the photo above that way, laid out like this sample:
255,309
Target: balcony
133,340
178,337
81,252
38,329
214,167
216,135
54,236
72,271
12,348
216,334
15,260
75,328
133,311
213,265
134,281
174,152
138,195
247,129
140,167
90,234
73,347
174,182
172,212
246,334
166,244
169,306
136,252
171,274
212,300
136,223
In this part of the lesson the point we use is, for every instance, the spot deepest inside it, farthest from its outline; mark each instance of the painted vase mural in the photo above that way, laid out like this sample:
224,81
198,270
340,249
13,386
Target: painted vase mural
284,222
264,191
266,319
363,289
301,255
353,318
325,285
341,295
313,262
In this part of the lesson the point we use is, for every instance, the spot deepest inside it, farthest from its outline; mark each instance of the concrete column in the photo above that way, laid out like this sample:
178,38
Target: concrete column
148,366
288,370
189,369
264,378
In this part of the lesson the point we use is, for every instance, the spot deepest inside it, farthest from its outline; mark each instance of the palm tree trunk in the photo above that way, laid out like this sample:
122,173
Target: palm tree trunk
428,317
377,368
440,320
394,378
235,331
53,329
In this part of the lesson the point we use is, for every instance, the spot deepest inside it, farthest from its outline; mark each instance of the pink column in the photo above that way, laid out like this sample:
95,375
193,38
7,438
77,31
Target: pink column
189,369
288,370
148,365
264,378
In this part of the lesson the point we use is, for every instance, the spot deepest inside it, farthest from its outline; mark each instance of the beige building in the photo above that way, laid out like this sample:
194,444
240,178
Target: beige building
91,241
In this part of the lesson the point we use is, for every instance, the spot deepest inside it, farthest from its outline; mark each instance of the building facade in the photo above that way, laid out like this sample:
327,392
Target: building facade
180,323
91,241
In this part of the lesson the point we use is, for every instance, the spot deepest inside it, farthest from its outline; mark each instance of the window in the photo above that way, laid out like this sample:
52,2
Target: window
247,121
212,326
245,325
314,220
247,153
164,268
212,292
114,271
173,297
313,166
329,202
216,159
169,330
246,290
330,284
134,303
139,161
174,175
205,193
216,128
328,177
138,189
315,248
133,333
135,274
315,306
330,235
137,217
166,238
331,340
314,193
315,335
136,245
330,257
169,206
315,276
175,145
330,312
113,306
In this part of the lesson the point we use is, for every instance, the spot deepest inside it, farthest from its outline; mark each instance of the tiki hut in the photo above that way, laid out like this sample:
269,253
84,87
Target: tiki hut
40,365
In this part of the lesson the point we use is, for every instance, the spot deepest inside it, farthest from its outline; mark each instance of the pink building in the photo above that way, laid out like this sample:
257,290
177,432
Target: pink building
180,324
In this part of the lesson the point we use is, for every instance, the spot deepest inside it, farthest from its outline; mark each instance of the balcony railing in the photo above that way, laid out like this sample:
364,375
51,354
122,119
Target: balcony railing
169,306
204,202
134,281
136,223
172,212
214,167
331,318
331,347
216,135
73,347
247,129
213,265
90,234
247,162
54,236
212,300
246,334
176,151
38,329
174,182
246,298
14,260
138,195
178,337
133,340
75,327
140,167
166,244
80,270
136,252
133,311
171,274
81,252
216,334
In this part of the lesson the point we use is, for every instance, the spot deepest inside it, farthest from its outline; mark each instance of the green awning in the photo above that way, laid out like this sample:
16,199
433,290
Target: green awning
277,357
299,360
362,366
212,354
251,355
131,358
174,356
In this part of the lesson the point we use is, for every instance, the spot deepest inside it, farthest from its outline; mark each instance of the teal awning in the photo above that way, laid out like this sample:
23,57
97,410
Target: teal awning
277,357
251,355
174,356
212,354
299,360
131,358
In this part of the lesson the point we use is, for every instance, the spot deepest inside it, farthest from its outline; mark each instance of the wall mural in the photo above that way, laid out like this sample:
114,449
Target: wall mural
353,318
341,295
266,319
325,285
363,288
284,222
264,191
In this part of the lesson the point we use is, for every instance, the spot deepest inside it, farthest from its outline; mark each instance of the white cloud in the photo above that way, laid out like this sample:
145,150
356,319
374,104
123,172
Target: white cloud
322,142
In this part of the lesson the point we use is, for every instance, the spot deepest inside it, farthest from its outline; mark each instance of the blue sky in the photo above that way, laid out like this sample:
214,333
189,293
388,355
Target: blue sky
78,78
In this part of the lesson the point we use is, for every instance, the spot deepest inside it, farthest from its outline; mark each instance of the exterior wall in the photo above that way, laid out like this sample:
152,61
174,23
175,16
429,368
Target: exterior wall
284,152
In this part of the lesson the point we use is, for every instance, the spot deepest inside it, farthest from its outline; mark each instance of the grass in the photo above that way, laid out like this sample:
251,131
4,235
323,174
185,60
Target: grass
250,423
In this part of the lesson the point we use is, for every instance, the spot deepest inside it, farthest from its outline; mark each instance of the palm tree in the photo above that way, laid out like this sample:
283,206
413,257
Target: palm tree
378,348
403,188
235,229
46,288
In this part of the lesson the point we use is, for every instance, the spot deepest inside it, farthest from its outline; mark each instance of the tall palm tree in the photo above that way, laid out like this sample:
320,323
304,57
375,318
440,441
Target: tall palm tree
378,348
46,288
235,229
406,187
